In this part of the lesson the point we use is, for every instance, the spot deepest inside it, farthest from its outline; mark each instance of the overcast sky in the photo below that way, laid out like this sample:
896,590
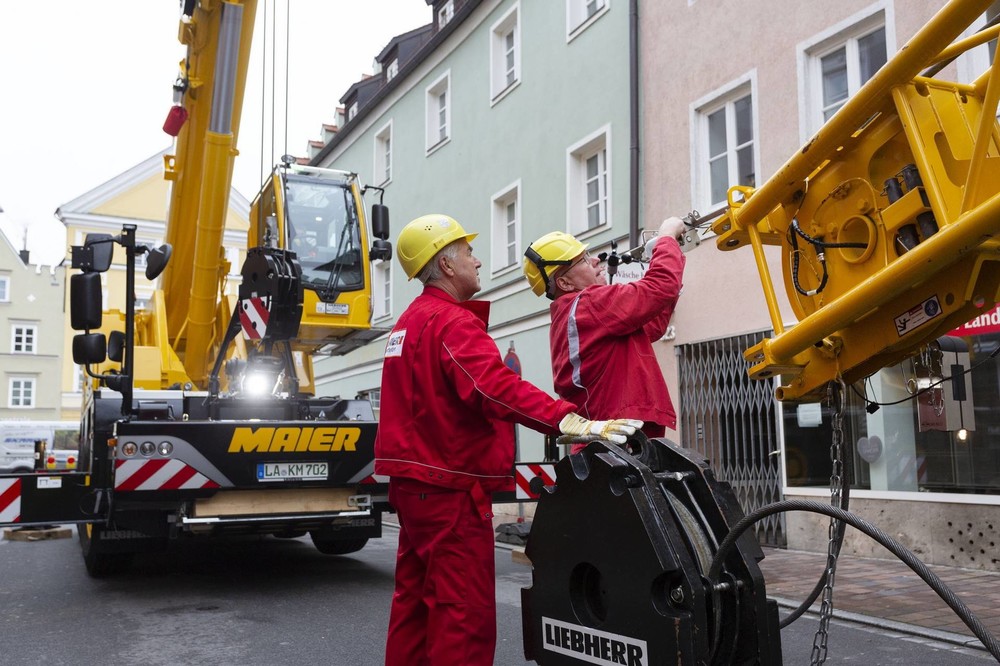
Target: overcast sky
87,86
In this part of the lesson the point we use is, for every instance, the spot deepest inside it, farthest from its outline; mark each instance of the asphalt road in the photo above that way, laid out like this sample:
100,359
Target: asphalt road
249,601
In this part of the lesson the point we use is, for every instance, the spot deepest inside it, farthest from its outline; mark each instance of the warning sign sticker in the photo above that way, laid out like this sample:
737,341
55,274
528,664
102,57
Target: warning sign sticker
917,316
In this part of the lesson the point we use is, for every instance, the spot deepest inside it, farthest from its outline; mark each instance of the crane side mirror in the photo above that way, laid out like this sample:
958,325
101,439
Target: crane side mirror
381,247
380,221
89,348
116,346
157,260
85,301
95,253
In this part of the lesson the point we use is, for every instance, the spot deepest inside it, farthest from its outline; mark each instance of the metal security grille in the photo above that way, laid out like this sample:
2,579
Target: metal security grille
733,422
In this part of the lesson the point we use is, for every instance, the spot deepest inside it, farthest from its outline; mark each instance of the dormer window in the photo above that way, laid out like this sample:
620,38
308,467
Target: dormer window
352,111
446,13
392,69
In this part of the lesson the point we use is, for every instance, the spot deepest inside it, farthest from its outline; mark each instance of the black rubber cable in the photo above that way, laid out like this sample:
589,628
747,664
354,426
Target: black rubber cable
900,551
838,541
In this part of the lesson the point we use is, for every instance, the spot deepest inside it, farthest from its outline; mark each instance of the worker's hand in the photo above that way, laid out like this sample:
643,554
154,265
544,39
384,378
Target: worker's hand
615,430
672,227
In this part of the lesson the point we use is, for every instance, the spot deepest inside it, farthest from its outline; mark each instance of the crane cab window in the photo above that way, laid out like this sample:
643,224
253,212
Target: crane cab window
323,229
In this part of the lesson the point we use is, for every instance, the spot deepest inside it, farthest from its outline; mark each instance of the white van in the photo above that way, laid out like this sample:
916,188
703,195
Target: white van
17,444
17,447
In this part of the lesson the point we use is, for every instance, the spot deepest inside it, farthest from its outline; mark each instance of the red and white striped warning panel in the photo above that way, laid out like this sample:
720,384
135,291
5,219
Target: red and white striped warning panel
10,500
253,317
159,474
525,472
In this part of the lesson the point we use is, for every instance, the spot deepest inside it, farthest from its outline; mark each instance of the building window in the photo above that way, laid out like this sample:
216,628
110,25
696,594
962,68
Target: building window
506,226
352,111
4,289
505,54
23,339
589,181
940,440
21,392
392,70
374,396
78,378
725,150
580,14
446,13
381,289
383,155
438,112
838,64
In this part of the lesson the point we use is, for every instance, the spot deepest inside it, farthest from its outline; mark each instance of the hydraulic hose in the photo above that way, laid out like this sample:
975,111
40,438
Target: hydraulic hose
900,551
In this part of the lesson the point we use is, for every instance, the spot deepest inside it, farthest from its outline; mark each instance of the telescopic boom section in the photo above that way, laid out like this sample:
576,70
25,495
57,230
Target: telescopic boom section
218,39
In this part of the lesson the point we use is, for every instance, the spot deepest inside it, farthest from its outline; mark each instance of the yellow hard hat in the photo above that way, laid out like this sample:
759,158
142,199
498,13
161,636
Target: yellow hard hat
546,255
422,238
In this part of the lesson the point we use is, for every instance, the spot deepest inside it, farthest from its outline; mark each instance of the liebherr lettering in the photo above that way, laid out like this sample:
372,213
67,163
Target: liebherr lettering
291,440
592,646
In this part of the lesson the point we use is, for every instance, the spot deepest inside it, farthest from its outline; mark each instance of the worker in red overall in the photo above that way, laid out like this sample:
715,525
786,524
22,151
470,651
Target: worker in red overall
602,335
446,440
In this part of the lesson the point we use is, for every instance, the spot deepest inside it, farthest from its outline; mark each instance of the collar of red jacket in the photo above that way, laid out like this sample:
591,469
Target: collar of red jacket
479,308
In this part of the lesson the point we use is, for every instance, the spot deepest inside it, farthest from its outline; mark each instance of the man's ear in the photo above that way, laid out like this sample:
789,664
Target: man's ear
445,265
562,283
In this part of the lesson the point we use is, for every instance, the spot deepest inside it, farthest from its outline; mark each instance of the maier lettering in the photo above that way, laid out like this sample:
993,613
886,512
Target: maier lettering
284,439
321,439
266,439
304,439
248,439
346,439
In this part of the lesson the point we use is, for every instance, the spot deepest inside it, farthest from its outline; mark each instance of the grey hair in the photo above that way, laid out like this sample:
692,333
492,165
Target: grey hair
432,271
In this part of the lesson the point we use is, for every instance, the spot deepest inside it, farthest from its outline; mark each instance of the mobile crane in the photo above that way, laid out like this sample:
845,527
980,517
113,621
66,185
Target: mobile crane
887,220
199,416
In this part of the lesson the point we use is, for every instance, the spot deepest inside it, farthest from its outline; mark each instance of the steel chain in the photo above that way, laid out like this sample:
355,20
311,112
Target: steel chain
837,395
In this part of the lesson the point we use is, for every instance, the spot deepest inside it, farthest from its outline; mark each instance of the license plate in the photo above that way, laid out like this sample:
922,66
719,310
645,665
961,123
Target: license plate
292,471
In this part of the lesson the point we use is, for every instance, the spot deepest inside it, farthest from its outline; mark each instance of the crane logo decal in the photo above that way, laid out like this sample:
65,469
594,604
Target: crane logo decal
289,439
160,474
254,314
10,500
591,645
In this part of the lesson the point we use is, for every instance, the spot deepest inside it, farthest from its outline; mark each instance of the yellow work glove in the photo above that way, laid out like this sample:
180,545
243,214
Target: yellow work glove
615,430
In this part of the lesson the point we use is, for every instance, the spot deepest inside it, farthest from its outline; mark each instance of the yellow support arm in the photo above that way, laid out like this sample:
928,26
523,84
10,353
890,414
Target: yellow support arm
886,219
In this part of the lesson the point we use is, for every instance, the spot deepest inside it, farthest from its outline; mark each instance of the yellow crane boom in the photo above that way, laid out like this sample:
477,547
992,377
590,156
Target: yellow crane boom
886,218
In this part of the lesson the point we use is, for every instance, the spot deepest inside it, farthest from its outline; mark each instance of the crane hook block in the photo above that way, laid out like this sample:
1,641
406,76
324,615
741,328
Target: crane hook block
620,549
271,293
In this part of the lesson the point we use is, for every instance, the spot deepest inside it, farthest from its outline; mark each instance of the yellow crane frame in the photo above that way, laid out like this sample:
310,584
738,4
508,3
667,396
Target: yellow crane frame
887,272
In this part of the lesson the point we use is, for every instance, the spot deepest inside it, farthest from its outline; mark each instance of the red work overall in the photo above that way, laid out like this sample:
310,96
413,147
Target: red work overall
446,440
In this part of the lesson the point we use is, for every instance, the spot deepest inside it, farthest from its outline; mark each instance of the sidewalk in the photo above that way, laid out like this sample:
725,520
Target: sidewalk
887,593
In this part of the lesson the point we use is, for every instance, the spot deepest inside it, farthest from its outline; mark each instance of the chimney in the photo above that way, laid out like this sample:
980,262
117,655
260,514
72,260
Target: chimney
24,256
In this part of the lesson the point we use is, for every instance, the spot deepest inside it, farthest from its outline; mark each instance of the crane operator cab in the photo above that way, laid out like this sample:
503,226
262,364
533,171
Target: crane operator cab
319,232
307,280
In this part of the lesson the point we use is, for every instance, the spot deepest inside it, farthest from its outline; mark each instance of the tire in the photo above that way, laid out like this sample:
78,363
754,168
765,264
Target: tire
99,562
328,546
